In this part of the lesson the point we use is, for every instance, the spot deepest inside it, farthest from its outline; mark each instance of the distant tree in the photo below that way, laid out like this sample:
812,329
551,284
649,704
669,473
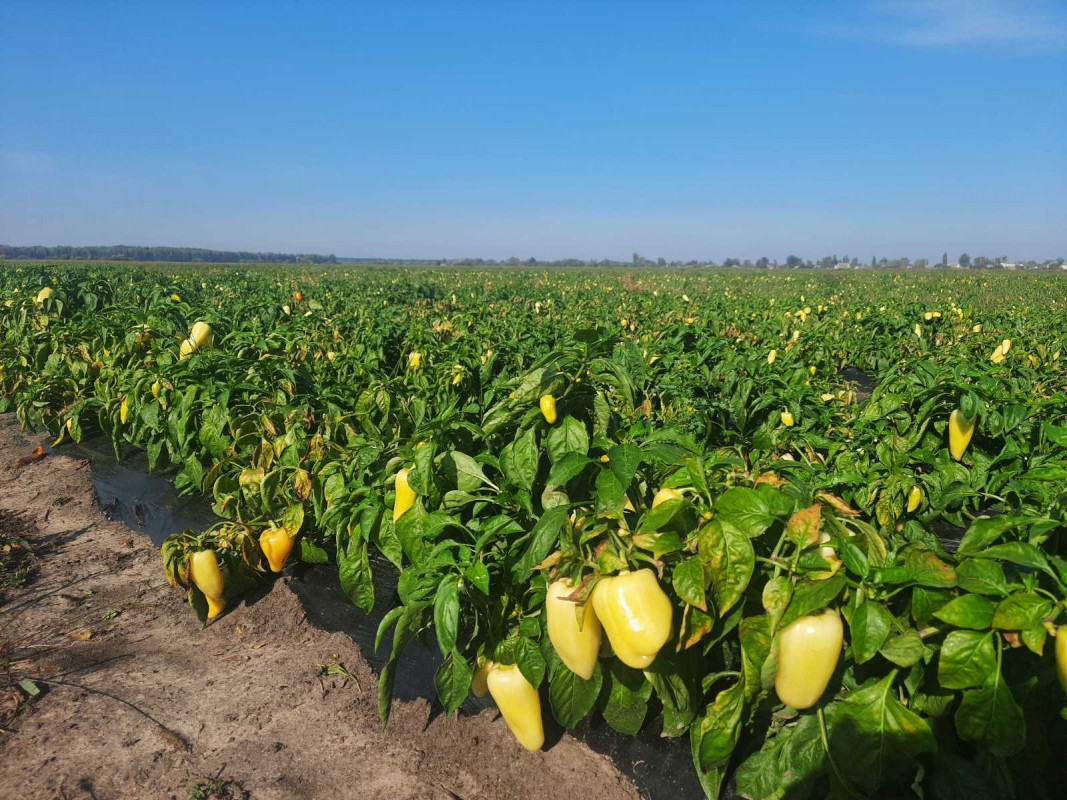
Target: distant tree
964,260
732,262
873,261
661,261
921,263
762,263
793,262
944,259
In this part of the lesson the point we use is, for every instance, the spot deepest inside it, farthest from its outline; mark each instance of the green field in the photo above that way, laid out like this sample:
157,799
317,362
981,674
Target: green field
801,419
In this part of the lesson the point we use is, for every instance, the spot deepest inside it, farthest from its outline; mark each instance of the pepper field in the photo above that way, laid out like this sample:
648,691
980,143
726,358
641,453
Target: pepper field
747,481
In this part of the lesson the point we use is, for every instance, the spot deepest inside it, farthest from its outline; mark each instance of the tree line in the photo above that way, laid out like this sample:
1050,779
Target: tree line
123,252
196,254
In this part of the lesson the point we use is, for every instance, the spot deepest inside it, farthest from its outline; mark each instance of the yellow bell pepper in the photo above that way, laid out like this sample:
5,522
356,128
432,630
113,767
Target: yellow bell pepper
479,684
200,335
915,497
548,408
519,704
187,349
808,649
405,495
787,419
1061,655
207,576
577,648
665,494
960,430
156,386
124,411
276,544
44,294
636,615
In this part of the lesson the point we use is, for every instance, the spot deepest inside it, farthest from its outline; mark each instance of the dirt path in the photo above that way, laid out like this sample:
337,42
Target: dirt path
144,704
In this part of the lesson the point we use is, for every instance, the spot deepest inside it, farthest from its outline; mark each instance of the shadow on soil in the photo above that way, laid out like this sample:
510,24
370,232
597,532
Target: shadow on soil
661,768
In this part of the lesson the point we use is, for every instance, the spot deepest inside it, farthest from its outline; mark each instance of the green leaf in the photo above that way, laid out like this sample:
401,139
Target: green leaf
776,595
869,626
719,729
870,731
968,611
983,531
531,662
624,702
623,460
567,436
354,572
610,499
311,553
982,577
730,560
811,596
411,533
1022,610
991,715
967,659
446,612
567,467
1022,553
29,687
904,649
926,569
543,539
755,636
467,472
655,518
453,681
420,479
571,697
752,510
688,581
520,466
477,574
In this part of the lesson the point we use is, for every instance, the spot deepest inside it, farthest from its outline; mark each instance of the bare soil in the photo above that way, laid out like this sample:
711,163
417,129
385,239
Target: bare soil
138,701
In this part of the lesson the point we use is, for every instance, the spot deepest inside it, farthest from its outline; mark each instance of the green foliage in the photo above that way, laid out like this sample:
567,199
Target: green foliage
323,382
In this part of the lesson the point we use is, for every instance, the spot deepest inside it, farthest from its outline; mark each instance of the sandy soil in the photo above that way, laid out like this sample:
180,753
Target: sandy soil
142,703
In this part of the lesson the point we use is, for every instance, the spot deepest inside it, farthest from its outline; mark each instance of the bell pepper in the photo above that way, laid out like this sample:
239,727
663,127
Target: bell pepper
124,411
808,649
207,576
200,335
915,497
276,544
43,295
636,615
187,349
576,647
548,408
479,684
405,495
156,386
665,494
1061,655
787,419
519,704
960,430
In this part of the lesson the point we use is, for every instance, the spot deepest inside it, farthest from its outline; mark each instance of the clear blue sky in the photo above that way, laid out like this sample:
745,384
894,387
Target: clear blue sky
585,129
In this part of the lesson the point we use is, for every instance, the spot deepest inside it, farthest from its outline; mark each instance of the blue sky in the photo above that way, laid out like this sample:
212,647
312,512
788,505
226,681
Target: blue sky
584,129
